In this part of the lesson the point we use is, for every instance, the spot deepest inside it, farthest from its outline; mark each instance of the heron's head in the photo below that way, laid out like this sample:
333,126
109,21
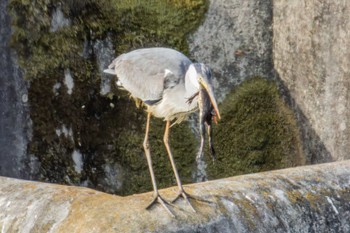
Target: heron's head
200,76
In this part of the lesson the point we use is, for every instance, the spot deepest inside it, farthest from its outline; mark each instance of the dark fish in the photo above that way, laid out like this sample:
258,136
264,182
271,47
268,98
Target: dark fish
206,115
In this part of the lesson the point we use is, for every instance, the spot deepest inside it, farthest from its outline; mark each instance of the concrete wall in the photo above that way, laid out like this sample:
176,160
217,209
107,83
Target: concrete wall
235,39
15,124
305,199
306,42
312,56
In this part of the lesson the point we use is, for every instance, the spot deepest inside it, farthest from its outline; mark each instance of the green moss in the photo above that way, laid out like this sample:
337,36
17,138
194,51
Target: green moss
258,132
44,53
132,24
158,22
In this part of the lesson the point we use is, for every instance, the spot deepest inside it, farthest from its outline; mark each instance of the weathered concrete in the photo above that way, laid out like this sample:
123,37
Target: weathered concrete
312,56
304,199
15,125
235,39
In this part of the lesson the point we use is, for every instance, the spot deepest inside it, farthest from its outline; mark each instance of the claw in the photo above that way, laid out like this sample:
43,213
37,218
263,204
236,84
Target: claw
186,197
159,199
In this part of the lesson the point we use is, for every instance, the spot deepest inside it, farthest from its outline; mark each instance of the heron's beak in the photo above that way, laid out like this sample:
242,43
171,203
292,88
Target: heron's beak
211,95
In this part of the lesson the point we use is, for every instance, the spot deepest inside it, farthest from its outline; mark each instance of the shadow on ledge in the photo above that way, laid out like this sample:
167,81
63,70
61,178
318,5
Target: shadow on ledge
304,199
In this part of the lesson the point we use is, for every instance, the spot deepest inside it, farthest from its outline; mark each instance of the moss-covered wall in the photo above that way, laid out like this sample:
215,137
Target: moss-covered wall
107,130
257,132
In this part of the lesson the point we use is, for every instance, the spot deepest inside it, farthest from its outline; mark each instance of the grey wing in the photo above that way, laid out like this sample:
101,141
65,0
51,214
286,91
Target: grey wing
146,73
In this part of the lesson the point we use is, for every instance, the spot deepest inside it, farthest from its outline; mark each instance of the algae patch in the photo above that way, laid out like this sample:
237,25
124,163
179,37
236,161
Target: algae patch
158,22
258,132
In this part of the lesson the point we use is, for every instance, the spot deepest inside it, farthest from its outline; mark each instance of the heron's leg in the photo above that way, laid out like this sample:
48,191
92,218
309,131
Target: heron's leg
211,147
148,155
182,192
157,197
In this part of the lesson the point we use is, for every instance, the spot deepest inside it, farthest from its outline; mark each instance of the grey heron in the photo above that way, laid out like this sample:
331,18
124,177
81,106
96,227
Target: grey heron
168,83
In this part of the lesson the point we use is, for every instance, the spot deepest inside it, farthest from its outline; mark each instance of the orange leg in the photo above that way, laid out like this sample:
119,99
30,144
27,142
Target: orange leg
182,192
157,197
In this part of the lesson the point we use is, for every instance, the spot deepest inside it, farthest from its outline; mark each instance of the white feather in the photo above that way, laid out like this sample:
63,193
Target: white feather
192,75
110,71
167,71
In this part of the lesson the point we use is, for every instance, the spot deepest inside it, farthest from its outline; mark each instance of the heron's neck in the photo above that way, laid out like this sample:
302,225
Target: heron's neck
191,83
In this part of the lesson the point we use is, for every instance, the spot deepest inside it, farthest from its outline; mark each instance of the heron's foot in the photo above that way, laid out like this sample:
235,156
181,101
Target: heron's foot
186,197
159,199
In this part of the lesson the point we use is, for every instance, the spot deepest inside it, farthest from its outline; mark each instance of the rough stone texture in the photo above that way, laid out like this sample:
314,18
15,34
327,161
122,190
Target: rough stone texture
305,199
14,111
312,57
235,40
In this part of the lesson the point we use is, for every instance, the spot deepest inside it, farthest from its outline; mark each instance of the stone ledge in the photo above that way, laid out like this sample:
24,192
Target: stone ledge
310,198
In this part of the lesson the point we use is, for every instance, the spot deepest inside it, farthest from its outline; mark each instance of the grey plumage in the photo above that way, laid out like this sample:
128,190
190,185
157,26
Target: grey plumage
150,74
168,83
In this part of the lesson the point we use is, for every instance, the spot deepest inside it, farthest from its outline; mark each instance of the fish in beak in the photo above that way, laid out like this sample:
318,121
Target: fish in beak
208,111
206,84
